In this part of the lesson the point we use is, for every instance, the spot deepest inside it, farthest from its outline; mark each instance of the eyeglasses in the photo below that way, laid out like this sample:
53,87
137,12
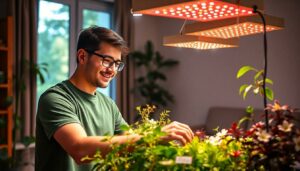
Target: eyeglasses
108,61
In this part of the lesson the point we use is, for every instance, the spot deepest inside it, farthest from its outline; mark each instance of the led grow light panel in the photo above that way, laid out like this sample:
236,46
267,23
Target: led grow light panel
199,10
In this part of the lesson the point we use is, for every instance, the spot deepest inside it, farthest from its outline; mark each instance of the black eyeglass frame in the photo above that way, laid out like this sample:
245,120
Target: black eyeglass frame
118,64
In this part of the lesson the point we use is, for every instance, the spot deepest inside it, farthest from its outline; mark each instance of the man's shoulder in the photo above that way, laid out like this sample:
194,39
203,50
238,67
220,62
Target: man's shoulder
60,89
104,97
56,97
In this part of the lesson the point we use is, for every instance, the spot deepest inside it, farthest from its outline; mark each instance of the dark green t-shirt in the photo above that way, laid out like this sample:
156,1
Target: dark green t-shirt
64,104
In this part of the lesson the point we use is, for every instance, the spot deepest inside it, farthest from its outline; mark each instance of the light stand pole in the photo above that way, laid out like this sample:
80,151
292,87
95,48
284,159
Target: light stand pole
265,66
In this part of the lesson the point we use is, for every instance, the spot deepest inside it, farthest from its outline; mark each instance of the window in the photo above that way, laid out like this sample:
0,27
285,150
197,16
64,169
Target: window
53,42
96,14
57,36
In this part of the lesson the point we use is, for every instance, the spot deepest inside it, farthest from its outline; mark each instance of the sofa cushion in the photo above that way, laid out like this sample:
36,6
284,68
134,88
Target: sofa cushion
224,117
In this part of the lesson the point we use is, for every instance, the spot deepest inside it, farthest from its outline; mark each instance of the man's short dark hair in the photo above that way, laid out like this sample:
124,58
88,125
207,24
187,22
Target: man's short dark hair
90,39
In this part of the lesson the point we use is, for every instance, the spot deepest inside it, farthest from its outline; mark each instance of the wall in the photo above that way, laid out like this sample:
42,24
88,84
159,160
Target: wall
207,78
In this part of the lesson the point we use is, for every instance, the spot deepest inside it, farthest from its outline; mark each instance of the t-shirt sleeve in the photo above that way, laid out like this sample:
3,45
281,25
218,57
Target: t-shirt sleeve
54,111
119,120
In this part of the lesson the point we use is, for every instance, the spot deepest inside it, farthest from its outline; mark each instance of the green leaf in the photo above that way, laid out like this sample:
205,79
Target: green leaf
246,91
158,58
242,88
27,140
154,75
139,58
249,109
244,119
269,81
244,70
41,77
149,50
157,130
168,63
124,127
269,93
258,74
141,79
216,129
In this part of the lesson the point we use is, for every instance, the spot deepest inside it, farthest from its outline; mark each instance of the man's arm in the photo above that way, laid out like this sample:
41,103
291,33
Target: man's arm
77,144
74,140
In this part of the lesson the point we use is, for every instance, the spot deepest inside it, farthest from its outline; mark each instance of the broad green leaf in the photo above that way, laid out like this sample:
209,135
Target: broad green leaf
258,74
269,81
244,70
242,88
269,93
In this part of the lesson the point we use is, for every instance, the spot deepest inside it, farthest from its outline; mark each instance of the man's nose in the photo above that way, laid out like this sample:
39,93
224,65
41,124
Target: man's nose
112,67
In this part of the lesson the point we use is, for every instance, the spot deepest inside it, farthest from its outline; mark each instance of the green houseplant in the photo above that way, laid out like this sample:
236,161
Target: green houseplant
276,145
256,85
151,65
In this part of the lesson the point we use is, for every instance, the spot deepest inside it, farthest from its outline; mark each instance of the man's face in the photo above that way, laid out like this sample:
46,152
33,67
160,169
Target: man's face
97,74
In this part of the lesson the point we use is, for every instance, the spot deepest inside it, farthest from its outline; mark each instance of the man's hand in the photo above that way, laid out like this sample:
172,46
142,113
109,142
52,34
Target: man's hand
178,131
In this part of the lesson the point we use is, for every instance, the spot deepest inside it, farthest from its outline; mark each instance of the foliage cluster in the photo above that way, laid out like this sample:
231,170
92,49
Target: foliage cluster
218,152
230,149
150,65
257,85
278,148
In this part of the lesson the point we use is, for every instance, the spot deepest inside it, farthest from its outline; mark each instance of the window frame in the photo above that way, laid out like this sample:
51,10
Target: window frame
75,24
106,7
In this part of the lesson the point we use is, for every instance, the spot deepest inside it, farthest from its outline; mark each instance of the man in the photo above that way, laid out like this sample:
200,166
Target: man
73,117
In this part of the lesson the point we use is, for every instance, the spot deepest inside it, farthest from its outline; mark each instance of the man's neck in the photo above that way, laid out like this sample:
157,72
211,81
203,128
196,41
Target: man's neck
82,84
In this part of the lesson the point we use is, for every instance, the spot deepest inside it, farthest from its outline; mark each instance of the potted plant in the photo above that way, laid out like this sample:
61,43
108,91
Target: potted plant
151,65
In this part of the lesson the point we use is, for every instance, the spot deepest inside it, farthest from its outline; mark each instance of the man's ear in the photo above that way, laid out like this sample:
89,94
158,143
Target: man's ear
81,54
